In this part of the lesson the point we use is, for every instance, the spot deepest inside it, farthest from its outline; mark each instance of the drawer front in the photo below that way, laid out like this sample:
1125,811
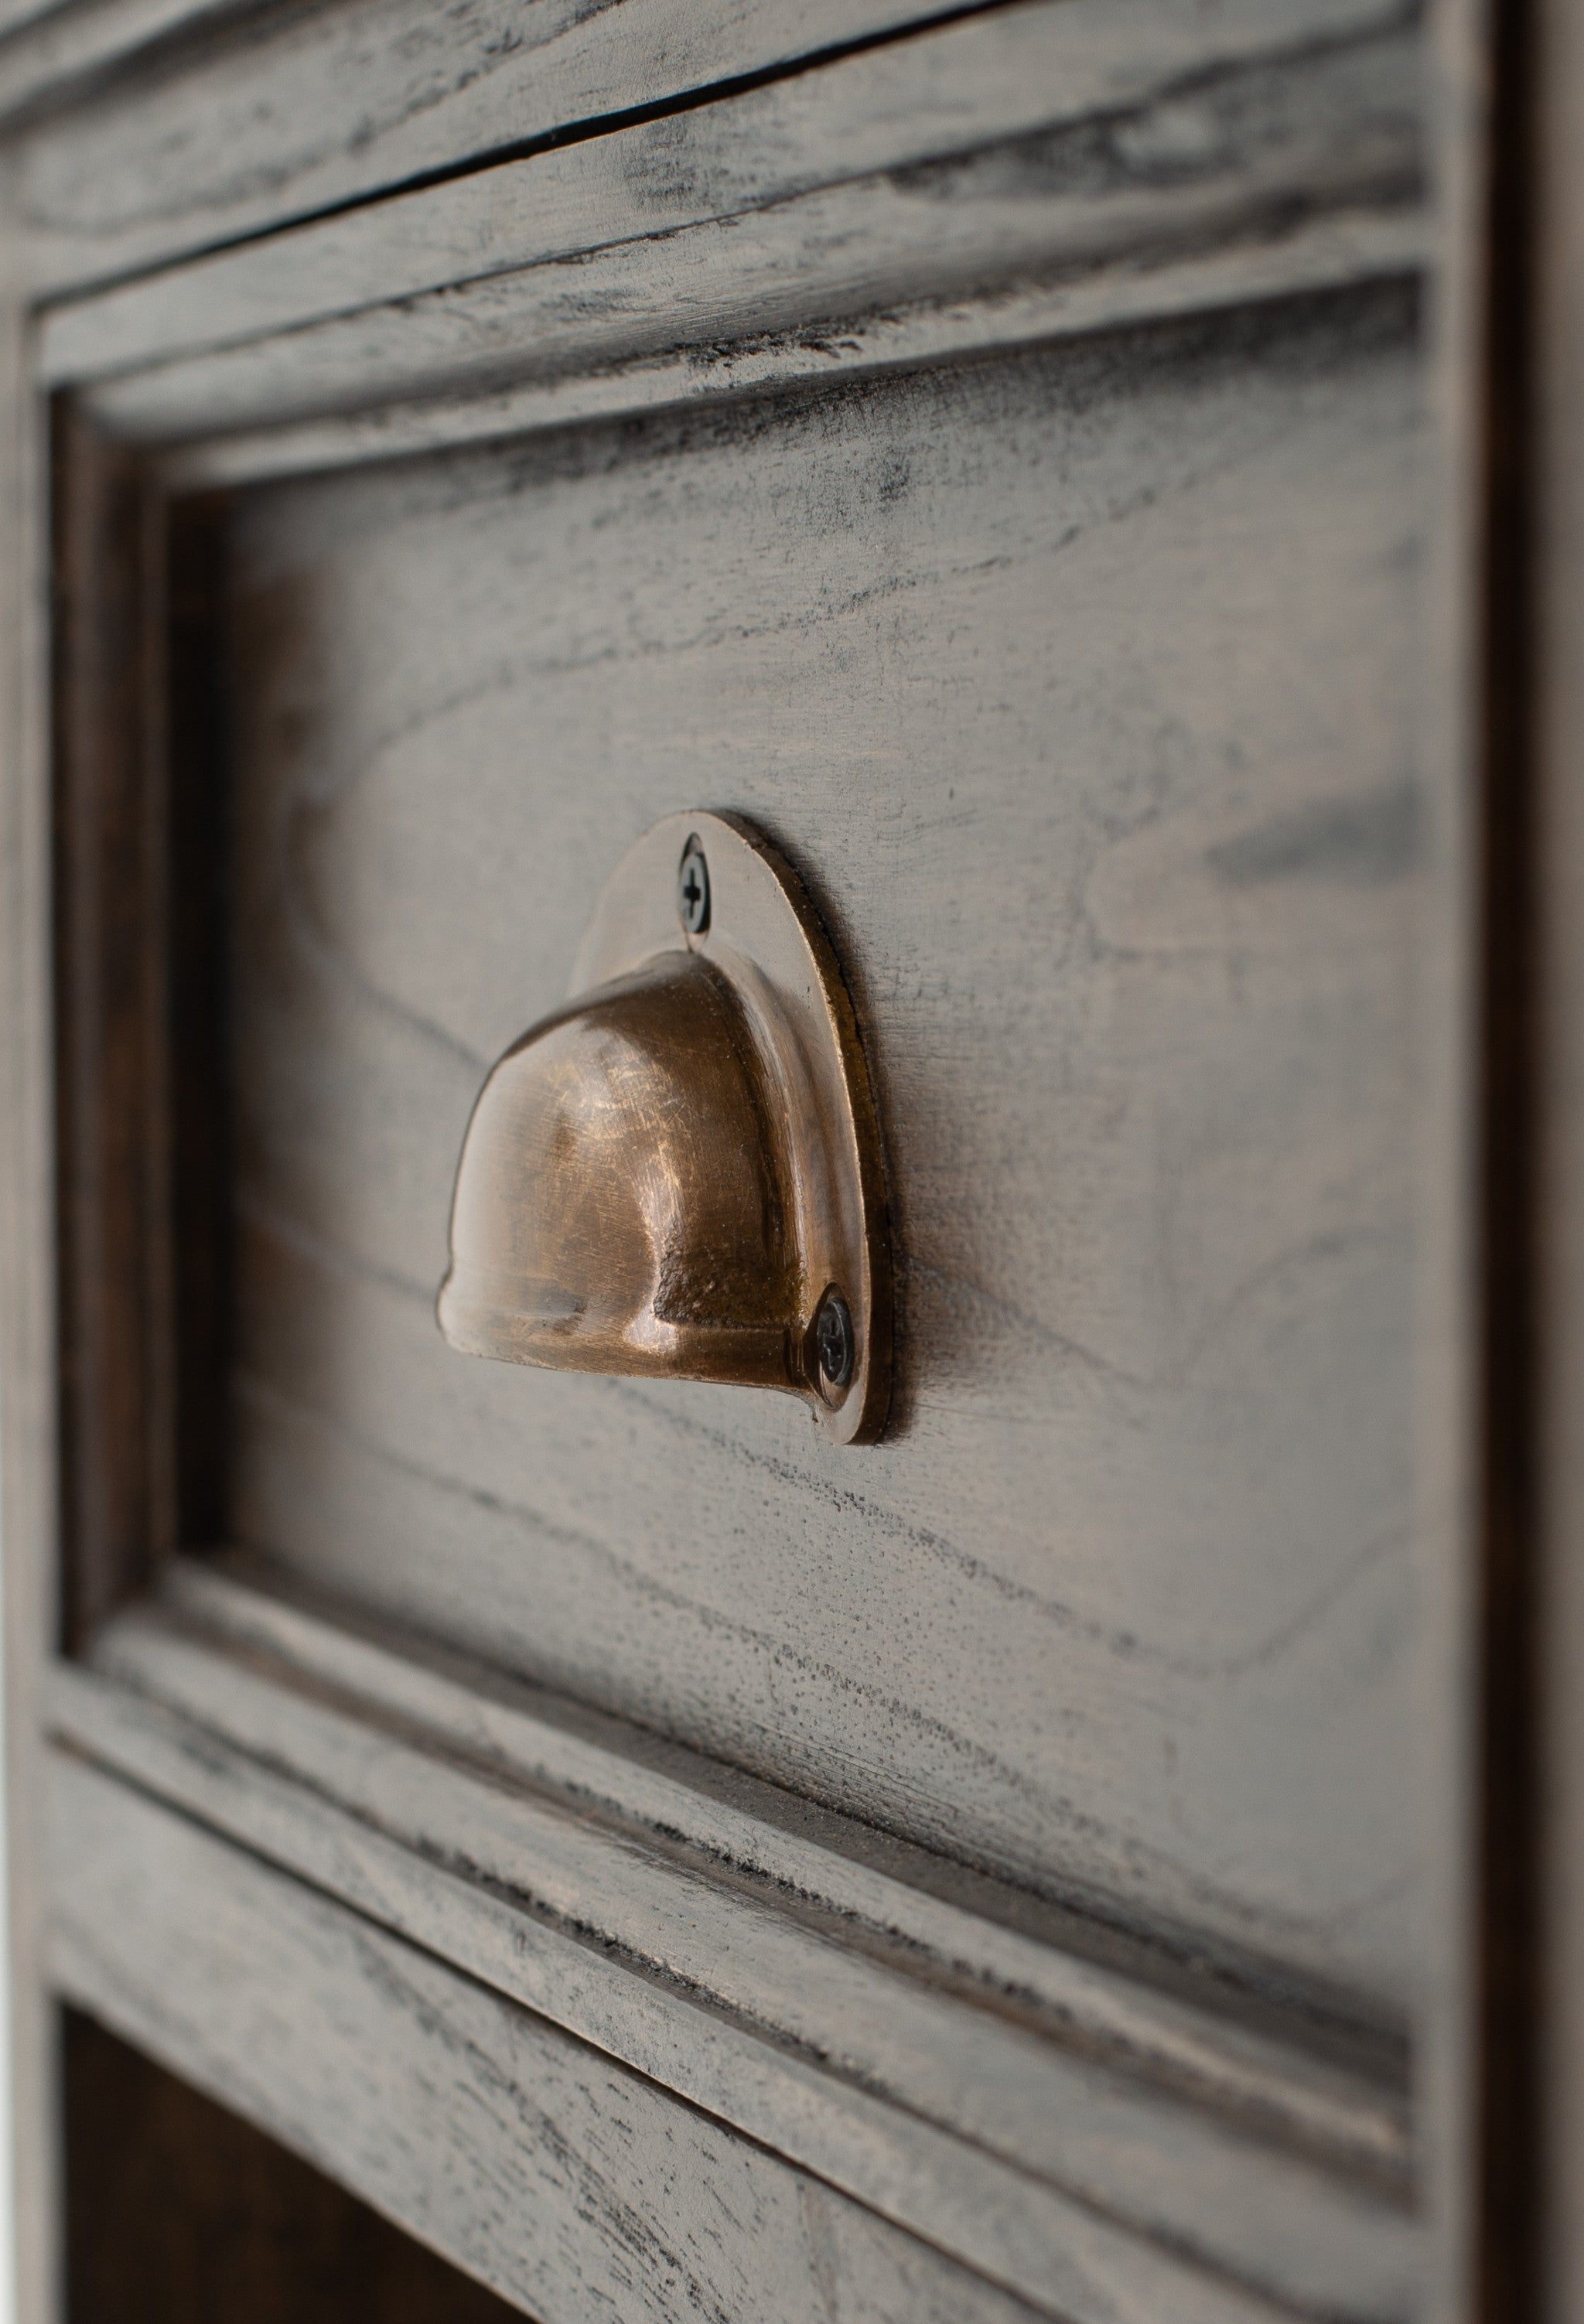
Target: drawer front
1036,668
1003,463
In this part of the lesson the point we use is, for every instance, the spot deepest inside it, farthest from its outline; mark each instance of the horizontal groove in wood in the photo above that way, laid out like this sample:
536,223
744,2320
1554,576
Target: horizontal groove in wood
569,2184
882,249
643,1905
49,47
856,1880
1038,66
1325,255
928,2111
212,141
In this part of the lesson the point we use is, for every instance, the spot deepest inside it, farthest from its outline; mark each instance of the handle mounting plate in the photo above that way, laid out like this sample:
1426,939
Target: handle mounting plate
679,1174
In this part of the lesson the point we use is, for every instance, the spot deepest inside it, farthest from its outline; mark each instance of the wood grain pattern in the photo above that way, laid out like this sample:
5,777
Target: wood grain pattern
1088,685
1506,2175
1041,66
1446,1164
50,47
570,2185
1130,917
1077,1981
300,110
625,1946
1330,253
29,1405
179,2210
1313,163
193,999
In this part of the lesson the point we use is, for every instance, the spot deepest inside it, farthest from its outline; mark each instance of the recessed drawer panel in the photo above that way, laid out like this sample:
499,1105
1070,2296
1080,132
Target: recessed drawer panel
1078,685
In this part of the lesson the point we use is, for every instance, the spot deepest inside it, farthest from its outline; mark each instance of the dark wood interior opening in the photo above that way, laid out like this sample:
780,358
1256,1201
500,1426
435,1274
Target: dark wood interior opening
179,2212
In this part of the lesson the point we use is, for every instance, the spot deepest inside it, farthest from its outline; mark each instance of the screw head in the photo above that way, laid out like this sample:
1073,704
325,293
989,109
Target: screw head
833,1339
693,890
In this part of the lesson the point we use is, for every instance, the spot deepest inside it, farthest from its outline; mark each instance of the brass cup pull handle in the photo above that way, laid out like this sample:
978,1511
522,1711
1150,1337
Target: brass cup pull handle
678,1173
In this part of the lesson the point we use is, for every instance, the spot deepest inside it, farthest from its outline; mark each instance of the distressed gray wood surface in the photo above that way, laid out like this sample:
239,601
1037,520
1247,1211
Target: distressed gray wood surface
180,2209
1074,1980
1317,159
1281,2146
1034,668
1153,1649
298,110
571,2186
28,1405
1325,253
14,13
1045,65
602,1929
46,46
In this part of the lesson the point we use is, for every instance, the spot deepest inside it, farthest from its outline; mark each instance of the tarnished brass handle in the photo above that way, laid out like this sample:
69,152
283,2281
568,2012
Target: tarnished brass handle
678,1173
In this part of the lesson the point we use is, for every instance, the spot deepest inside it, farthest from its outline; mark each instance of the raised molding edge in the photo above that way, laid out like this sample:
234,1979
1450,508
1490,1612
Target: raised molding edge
1330,253
1004,2100
1143,77
569,2184
887,1893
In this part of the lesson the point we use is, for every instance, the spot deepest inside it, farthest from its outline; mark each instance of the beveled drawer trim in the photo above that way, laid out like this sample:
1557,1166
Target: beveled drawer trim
572,2185
1329,253
1000,2097
242,128
434,93
415,294
870,1886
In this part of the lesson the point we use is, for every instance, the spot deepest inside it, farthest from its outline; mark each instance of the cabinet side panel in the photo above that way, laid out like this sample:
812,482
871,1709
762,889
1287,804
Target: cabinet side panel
27,1310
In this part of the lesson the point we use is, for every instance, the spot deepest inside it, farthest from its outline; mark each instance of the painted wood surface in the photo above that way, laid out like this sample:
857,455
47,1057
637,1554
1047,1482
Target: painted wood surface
48,47
179,2208
109,1065
15,13
293,111
566,2183
1326,253
1199,1776
222,146
1077,1981
1031,669
1294,167
28,1391
851,2066
1042,66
